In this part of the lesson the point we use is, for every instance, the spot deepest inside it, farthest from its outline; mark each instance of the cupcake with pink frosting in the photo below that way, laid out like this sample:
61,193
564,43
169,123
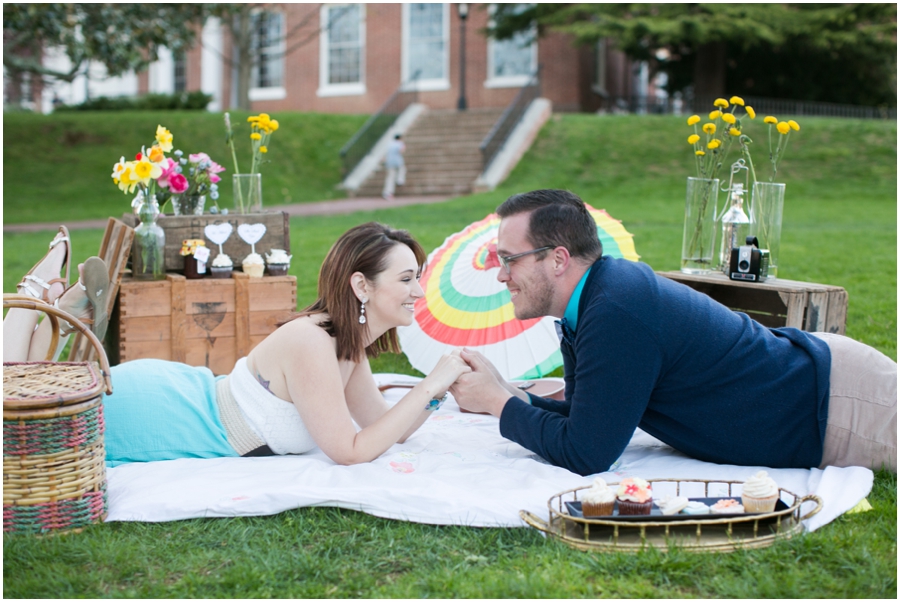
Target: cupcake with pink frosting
635,496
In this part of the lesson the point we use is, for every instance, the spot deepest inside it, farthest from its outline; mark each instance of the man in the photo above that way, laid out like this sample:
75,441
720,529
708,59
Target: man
395,166
643,350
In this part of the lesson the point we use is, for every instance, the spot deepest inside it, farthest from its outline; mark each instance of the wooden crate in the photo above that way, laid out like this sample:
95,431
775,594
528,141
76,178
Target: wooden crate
207,322
183,227
804,305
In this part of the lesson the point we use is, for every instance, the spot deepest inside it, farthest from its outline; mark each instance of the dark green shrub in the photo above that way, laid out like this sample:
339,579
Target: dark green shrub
181,101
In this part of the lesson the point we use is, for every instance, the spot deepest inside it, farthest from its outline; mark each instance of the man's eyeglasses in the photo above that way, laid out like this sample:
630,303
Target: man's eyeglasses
505,261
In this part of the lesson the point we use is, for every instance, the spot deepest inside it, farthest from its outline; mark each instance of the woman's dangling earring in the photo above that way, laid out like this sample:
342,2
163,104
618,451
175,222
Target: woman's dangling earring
362,311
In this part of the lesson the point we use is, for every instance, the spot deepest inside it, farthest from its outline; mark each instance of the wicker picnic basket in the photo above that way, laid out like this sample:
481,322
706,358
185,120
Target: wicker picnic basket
54,471
699,533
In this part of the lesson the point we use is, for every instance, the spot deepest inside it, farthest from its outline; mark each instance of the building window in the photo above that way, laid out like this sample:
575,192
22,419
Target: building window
268,42
426,34
512,62
599,80
342,50
179,72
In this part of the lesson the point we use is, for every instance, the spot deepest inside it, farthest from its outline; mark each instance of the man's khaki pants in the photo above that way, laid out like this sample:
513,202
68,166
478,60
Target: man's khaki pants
862,406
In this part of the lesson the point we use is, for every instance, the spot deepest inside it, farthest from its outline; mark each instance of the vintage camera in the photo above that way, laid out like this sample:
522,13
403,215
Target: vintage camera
749,263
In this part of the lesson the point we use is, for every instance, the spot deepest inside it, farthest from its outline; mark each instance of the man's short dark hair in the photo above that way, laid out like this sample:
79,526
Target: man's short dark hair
558,219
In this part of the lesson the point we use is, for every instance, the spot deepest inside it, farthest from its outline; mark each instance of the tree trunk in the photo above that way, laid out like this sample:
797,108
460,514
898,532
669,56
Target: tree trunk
709,73
243,42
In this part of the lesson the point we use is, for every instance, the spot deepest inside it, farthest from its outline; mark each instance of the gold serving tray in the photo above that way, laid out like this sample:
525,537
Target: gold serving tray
700,533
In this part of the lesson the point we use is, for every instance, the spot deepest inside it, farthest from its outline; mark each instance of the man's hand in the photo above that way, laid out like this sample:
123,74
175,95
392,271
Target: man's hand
482,389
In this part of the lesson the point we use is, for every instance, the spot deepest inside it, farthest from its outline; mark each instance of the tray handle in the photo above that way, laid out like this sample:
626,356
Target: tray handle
54,314
810,498
533,520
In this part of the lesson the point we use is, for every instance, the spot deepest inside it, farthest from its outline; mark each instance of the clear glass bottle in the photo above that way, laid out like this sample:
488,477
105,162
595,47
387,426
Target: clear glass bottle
735,226
148,257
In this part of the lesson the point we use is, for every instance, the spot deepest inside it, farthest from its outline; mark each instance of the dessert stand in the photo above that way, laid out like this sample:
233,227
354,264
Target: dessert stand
699,533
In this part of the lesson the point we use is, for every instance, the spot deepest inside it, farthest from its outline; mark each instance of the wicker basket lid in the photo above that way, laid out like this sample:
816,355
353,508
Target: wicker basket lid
34,385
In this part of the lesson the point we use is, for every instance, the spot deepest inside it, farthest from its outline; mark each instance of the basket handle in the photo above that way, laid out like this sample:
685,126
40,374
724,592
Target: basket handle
533,520
810,498
54,314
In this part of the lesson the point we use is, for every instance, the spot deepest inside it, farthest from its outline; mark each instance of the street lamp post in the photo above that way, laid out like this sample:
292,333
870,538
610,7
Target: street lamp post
463,10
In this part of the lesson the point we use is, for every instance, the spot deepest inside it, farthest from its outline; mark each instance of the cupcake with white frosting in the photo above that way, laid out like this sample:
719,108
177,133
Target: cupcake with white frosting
221,266
253,265
598,500
760,493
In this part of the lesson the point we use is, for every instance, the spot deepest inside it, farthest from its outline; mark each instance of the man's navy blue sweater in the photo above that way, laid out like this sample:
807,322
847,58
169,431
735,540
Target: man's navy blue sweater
710,382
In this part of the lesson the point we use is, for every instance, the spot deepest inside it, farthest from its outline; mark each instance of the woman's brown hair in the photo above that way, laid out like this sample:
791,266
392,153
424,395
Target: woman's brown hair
363,249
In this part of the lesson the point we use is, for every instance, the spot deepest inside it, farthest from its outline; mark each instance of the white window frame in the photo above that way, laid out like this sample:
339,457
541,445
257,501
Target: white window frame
346,89
508,81
598,84
271,92
425,85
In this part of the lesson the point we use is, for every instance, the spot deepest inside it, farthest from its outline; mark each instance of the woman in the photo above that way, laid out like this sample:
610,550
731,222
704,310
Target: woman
305,385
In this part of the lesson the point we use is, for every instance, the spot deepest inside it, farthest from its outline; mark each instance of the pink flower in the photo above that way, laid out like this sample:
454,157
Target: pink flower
169,170
197,158
178,183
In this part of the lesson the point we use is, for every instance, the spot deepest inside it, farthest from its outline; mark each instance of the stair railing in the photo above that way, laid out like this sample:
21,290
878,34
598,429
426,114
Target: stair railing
374,128
511,116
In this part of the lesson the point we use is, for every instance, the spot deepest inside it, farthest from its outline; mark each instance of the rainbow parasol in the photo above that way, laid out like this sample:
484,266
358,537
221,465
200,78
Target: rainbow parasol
465,306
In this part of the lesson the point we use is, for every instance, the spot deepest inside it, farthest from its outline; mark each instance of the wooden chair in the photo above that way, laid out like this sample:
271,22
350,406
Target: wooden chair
114,250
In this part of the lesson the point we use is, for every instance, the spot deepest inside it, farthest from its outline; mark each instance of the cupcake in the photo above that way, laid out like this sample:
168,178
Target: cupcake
598,500
726,506
277,262
695,508
671,505
760,493
635,496
221,266
253,265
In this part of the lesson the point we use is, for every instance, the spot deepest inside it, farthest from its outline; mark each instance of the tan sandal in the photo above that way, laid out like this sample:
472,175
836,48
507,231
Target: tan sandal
37,287
94,281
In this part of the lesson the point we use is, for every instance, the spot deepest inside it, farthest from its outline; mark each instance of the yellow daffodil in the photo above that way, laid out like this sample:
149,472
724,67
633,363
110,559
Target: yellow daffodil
709,128
127,179
164,137
693,139
729,118
693,119
737,100
700,153
713,144
715,115
118,168
263,149
256,136
783,127
750,112
770,120
794,125
734,132
721,103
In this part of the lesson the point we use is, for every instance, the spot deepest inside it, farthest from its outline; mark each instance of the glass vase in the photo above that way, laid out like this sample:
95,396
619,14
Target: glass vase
698,244
148,259
183,204
247,193
766,208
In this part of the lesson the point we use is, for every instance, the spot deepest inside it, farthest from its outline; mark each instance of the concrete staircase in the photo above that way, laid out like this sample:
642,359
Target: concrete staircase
442,156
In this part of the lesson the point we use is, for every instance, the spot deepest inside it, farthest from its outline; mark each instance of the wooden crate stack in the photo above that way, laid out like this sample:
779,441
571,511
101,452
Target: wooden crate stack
207,322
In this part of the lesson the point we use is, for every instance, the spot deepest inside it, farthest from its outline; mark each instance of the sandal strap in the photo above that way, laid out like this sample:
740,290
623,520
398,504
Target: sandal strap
65,328
56,241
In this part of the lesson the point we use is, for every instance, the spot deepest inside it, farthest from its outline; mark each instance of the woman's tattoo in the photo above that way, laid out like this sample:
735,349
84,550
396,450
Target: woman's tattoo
264,382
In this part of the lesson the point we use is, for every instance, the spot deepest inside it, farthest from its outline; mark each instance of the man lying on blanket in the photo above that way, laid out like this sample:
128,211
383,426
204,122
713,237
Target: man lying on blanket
643,350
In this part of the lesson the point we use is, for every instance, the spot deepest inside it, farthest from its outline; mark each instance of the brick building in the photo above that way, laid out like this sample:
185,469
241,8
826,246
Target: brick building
349,58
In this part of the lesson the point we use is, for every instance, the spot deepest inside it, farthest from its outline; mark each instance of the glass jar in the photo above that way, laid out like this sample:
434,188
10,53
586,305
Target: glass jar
698,243
247,193
148,252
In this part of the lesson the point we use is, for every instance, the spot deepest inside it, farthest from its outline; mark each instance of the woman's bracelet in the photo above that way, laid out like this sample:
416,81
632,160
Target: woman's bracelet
435,404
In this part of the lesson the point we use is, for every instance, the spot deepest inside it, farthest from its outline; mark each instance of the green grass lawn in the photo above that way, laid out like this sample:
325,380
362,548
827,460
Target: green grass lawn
839,228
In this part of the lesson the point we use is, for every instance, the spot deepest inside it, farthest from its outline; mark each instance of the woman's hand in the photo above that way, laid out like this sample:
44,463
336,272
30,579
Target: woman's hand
448,369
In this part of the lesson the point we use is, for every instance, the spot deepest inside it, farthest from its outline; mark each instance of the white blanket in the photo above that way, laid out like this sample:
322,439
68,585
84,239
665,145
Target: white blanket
455,470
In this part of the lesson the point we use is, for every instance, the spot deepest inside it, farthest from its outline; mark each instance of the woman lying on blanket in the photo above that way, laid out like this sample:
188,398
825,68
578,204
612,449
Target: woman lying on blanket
305,385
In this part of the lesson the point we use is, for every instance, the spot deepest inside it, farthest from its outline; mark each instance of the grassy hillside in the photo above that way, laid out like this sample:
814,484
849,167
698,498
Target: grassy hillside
57,167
